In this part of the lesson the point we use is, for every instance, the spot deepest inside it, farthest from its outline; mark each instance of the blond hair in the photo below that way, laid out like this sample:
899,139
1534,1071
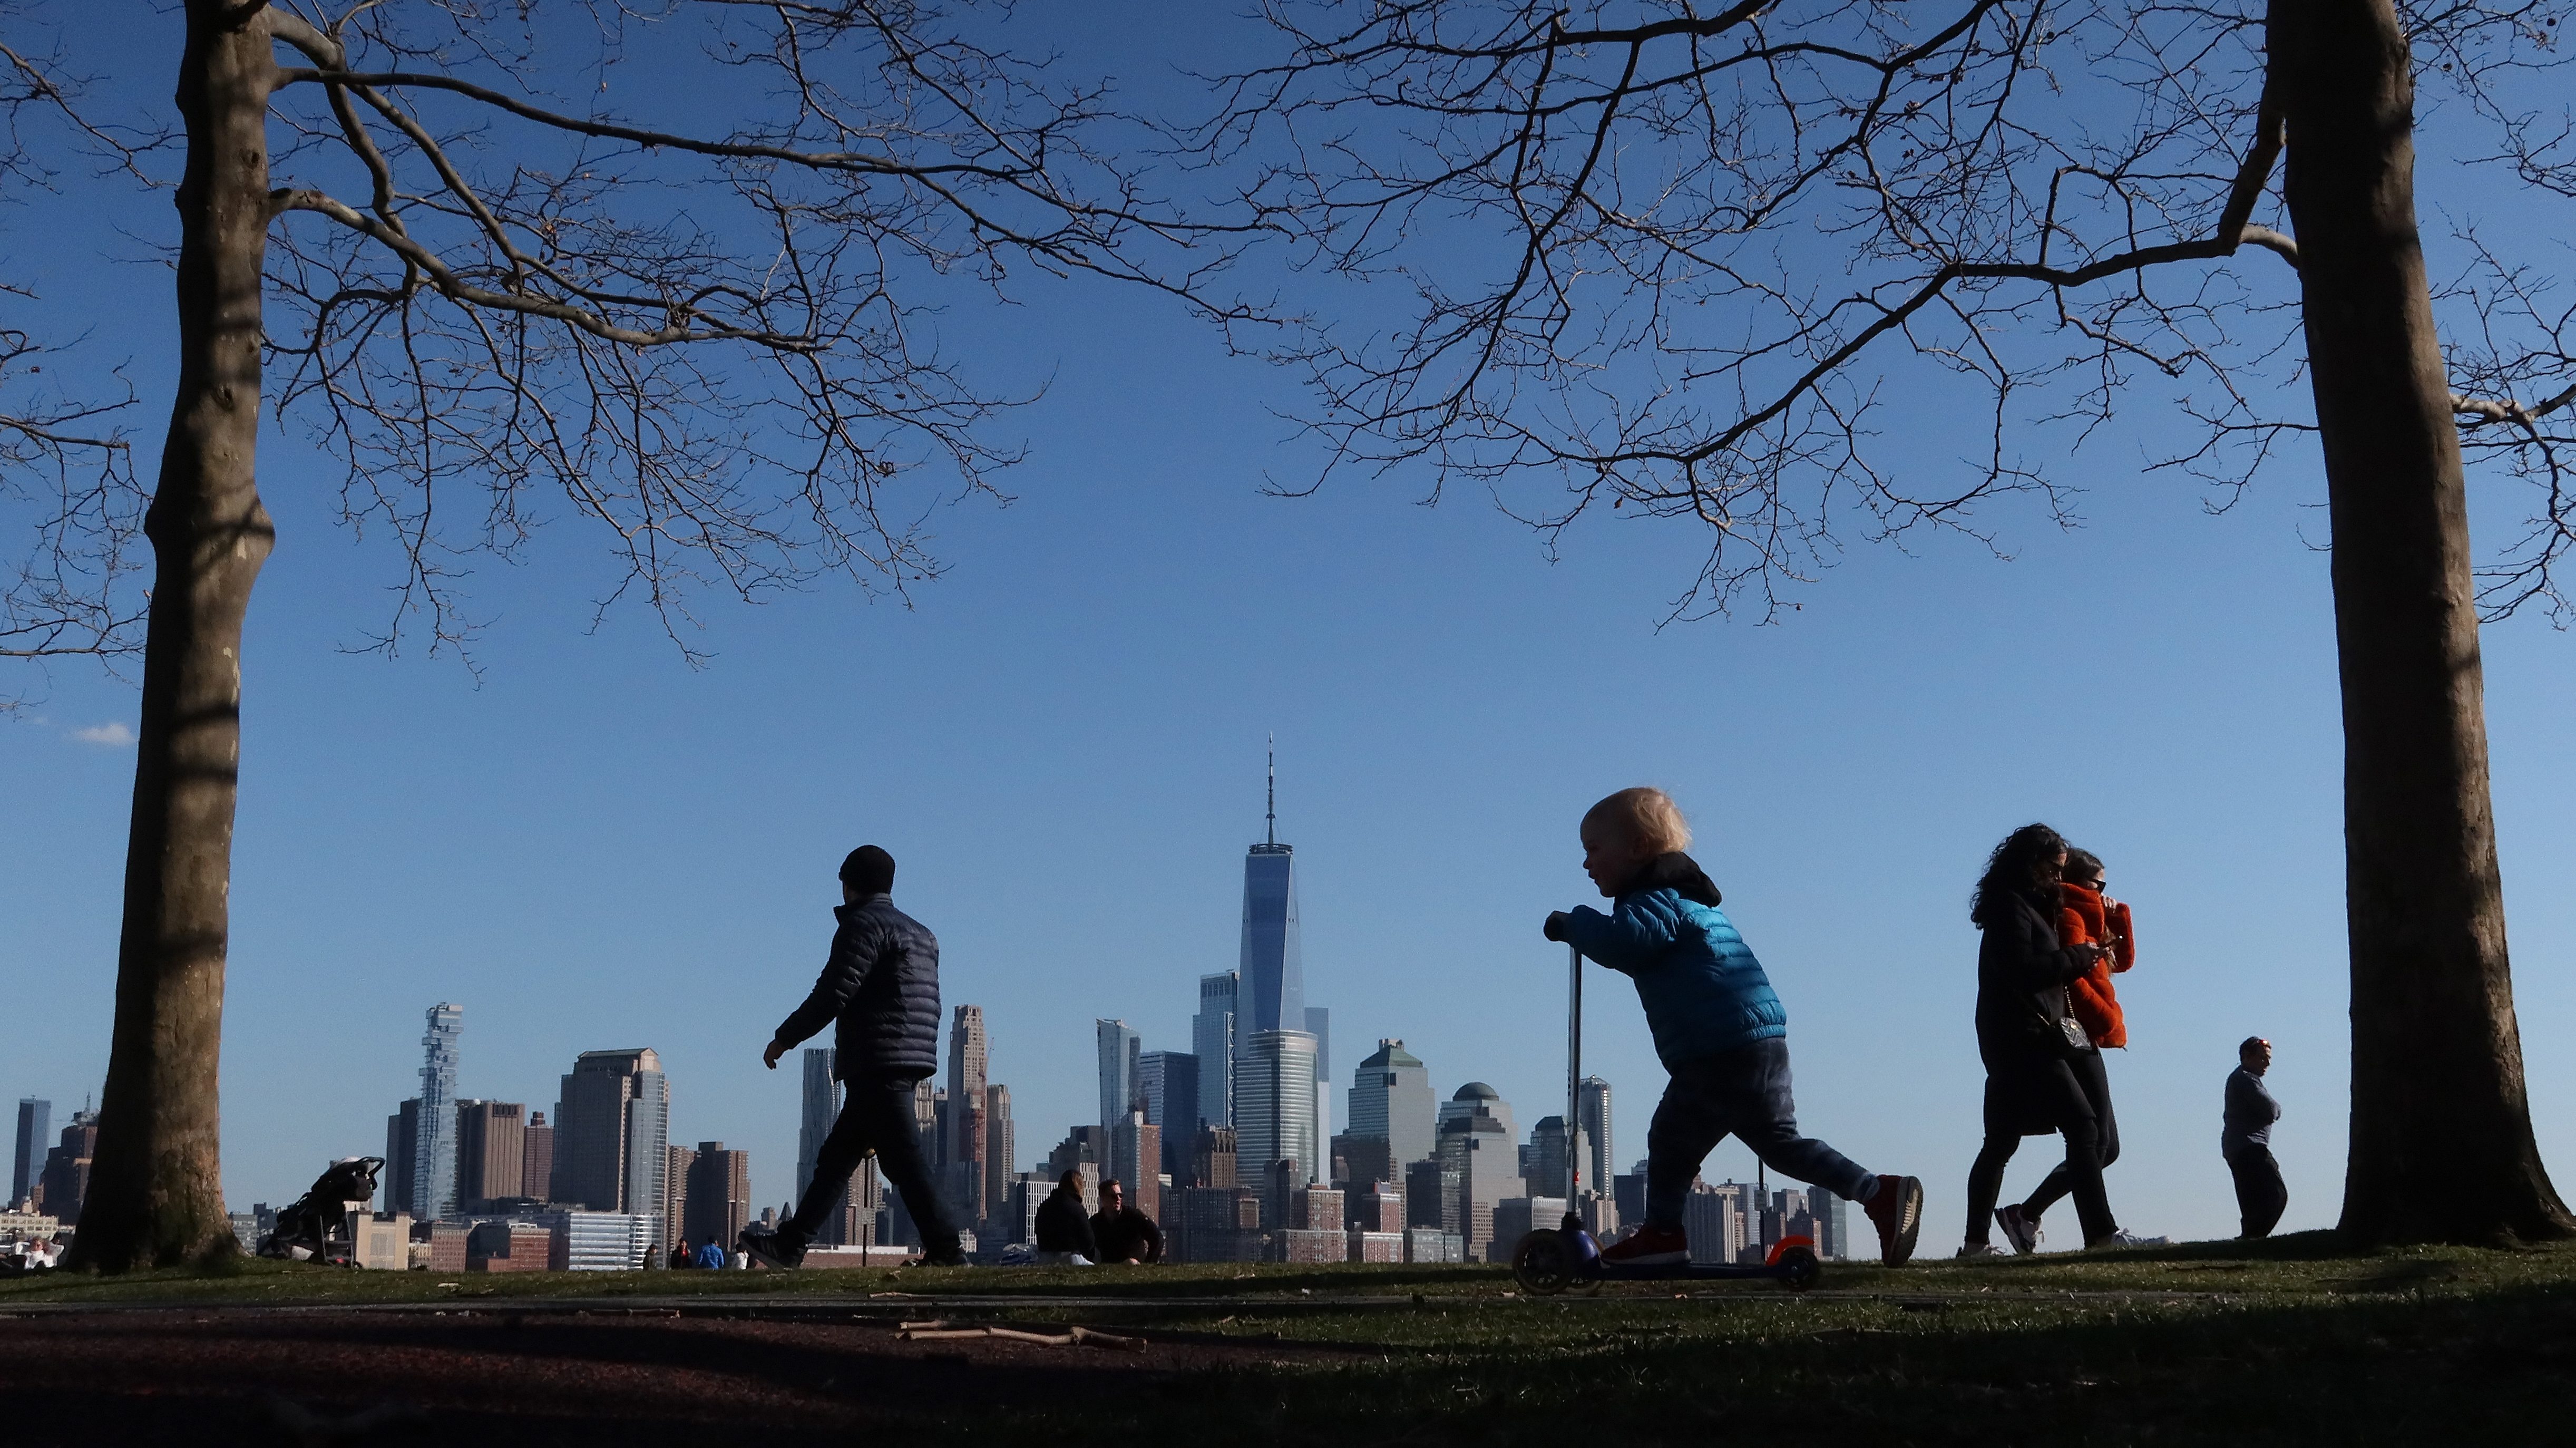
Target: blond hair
1644,817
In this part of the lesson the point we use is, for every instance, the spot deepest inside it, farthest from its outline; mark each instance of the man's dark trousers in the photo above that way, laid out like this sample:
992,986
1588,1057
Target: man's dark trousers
876,1114
2261,1195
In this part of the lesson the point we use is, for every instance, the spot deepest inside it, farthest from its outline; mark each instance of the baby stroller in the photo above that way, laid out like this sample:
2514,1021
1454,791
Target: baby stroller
315,1226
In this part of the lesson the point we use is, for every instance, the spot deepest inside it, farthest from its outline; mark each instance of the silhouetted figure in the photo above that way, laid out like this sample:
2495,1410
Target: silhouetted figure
2246,1141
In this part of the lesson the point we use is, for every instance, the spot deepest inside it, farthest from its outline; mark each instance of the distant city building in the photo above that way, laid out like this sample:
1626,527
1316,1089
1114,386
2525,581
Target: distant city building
961,1171
1592,1118
537,1159
1517,1217
1360,1160
1391,1099
1476,1142
1273,968
1213,1224
1001,1158
1319,1024
719,1203
677,1164
402,1156
1431,1196
1377,1207
1213,1159
1169,1082
433,1186
508,1247
1833,1224
1274,1108
1121,1054
491,1152
1135,1161
1718,1222
612,1134
1212,1040
64,1185
1550,1154
27,1162
599,1241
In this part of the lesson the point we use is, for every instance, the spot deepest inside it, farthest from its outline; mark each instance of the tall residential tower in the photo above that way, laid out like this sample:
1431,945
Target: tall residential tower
433,1183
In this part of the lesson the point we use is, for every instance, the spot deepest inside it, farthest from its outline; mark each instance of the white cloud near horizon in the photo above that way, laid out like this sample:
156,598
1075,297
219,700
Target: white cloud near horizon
110,734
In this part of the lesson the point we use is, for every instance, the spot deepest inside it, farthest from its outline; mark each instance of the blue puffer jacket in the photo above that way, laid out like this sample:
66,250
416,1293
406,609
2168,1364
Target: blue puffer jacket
1703,990
882,987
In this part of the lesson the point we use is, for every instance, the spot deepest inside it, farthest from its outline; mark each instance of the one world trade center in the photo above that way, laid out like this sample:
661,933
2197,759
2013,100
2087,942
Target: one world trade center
1274,976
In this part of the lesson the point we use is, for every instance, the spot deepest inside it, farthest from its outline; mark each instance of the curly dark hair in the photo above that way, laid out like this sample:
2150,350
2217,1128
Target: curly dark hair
2027,857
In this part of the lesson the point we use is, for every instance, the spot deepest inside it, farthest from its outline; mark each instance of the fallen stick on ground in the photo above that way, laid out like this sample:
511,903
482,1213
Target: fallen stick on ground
939,1332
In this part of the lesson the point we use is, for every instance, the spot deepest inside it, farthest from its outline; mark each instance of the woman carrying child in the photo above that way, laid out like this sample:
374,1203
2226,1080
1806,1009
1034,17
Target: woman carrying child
2043,1067
1718,1027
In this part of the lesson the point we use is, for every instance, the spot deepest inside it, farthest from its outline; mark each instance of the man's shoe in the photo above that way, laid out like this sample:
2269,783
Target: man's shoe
2114,1240
1897,1209
1649,1247
2020,1228
1980,1249
782,1250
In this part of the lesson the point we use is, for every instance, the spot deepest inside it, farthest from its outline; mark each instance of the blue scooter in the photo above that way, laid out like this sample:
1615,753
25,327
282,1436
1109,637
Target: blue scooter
1552,1260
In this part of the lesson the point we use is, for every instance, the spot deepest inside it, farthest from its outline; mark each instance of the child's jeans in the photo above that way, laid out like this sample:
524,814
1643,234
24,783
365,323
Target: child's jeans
1744,1092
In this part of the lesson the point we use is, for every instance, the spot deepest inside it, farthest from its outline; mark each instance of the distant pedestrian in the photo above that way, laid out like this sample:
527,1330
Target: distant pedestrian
2085,916
1124,1234
680,1257
1063,1228
2038,1055
881,986
1718,1028
2246,1141
712,1254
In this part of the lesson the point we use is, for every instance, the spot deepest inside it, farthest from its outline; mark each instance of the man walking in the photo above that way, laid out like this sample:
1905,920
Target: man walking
881,986
2246,1141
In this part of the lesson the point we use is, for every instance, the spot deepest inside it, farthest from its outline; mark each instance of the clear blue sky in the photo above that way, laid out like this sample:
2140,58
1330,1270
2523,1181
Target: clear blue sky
1061,742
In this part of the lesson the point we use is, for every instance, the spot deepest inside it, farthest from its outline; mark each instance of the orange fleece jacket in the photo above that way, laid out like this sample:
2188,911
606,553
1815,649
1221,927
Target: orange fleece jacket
2085,918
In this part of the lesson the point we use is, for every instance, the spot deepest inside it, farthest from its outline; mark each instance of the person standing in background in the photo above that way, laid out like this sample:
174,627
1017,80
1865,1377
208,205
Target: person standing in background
2246,1141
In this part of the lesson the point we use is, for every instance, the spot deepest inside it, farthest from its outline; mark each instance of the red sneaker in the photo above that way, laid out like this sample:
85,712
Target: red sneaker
1898,1210
1649,1247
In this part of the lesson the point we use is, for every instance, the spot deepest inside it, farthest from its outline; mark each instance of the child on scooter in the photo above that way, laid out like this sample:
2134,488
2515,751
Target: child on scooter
1718,1028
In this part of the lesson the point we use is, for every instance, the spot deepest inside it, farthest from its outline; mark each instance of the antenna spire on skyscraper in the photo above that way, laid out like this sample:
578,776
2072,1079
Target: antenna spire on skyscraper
1272,817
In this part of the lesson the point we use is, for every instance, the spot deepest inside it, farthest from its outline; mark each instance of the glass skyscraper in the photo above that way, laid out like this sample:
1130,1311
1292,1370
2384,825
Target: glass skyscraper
1121,1050
433,1184
1274,1107
27,1163
1273,972
1212,1038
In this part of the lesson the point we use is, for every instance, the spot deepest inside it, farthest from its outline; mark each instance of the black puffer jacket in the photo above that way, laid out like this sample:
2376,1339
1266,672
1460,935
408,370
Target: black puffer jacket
1062,1227
882,985
2022,971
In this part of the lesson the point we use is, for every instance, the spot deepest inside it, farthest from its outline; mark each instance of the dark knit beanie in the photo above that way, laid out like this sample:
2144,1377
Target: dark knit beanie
868,870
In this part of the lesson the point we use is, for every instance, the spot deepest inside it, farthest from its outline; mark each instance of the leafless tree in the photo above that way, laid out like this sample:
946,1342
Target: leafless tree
717,346
1690,259
66,467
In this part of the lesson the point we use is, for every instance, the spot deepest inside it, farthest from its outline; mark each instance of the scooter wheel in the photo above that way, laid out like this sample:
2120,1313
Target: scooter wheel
1800,1269
1542,1264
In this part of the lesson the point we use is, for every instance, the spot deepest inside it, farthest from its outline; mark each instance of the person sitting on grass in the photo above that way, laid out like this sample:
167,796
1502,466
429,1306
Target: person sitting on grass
1718,1028
1126,1236
1063,1228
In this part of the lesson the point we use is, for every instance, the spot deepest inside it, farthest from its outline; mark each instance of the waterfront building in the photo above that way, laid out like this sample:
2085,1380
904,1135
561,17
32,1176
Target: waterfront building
1169,1083
537,1159
491,1152
719,1194
433,1183
402,1156
1212,1040
1274,1108
1592,1121
1273,968
1391,1099
612,1135
27,1162
1121,1054
1001,1159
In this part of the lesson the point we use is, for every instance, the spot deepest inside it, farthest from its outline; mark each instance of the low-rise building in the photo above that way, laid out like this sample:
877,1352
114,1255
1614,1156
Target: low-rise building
1377,1246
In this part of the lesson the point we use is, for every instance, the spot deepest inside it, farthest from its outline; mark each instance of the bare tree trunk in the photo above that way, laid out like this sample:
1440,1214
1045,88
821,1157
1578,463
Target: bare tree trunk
2437,1084
156,1191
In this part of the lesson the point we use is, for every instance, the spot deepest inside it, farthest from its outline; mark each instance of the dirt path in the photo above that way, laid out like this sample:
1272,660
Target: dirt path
535,1377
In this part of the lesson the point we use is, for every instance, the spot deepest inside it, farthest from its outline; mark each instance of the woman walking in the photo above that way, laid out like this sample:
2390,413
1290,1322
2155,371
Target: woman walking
2039,1057
2085,916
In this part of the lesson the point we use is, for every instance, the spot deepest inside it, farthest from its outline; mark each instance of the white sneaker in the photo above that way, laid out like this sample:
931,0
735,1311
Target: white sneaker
2124,1238
1980,1249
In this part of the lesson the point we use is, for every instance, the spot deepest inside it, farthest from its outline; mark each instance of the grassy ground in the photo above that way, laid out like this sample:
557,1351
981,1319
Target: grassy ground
2288,1341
